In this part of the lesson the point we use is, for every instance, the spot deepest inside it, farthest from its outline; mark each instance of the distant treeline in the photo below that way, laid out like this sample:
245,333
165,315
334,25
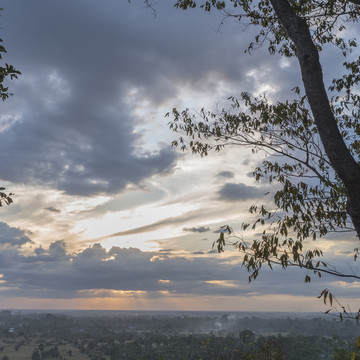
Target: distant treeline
180,337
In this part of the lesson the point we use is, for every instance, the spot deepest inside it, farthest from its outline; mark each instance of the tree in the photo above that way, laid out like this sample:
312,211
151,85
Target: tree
35,355
270,349
6,72
316,134
41,349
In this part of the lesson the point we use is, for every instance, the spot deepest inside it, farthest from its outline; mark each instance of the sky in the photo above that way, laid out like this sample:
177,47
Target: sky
106,214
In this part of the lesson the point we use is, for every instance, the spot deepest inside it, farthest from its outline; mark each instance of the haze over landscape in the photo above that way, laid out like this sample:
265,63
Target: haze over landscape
107,215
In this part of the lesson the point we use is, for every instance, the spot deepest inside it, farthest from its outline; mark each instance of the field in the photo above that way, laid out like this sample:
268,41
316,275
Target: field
21,349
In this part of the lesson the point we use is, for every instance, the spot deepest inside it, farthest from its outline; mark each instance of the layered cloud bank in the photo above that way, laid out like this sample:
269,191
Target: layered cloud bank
32,271
86,148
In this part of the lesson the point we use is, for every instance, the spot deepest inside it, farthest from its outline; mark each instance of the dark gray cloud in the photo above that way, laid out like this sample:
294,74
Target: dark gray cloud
237,192
59,274
76,131
71,122
52,209
199,229
12,236
54,272
80,159
225,174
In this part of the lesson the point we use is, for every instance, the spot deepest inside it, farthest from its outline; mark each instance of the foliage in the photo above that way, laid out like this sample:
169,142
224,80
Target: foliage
6,72
356,353
4,197
182,336
35,355
315,192
310,201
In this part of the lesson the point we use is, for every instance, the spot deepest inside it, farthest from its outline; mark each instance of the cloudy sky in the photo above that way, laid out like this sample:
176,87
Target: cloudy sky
106,214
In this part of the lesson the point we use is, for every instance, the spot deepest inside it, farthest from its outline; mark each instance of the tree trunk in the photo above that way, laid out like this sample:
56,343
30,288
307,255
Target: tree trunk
339,155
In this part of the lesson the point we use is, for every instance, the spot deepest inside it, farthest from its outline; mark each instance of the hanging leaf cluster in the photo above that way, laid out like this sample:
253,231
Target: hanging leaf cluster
309,201
6,72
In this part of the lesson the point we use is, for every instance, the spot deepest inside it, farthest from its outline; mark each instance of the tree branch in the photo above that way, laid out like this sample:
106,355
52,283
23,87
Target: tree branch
339,155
